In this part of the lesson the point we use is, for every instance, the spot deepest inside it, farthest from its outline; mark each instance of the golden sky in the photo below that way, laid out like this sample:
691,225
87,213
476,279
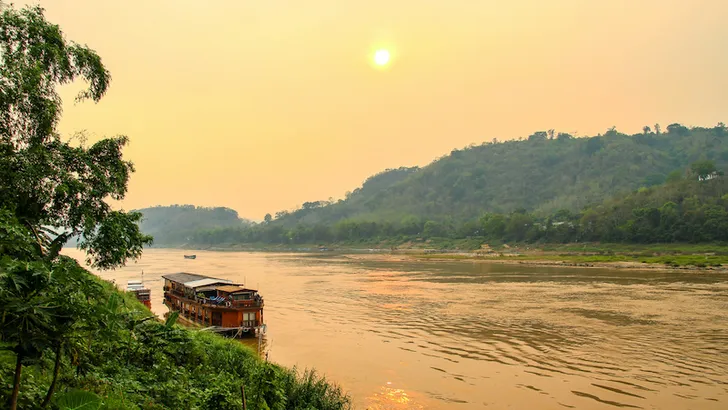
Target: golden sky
263,105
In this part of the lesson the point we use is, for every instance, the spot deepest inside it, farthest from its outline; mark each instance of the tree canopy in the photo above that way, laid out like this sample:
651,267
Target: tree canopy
44,180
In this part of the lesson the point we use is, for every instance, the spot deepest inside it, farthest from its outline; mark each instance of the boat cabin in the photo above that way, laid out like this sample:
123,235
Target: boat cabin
214,302
142,294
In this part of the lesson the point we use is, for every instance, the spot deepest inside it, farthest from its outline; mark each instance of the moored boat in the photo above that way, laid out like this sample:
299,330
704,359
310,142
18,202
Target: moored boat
217,304
190,256
142,294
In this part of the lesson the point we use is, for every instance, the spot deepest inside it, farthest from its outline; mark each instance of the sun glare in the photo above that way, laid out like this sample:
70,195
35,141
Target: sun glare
381,57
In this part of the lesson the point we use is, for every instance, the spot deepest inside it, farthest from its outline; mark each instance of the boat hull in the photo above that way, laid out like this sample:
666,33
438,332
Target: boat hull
205,317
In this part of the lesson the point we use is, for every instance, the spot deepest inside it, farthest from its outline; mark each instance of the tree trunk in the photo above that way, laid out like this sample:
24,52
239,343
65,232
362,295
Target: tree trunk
56,369
16,383
242,391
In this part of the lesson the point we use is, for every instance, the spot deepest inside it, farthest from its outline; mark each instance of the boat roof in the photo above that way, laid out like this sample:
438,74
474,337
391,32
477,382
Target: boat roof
234,289
205,282
188,279
206,288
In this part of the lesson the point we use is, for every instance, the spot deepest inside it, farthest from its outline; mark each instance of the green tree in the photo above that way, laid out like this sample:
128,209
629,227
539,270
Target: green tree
678,129
45,181
432,229
593,145
703,169
518,226
564,136
27,320
494,225
268,218
675,176
720,129
411,225
654,179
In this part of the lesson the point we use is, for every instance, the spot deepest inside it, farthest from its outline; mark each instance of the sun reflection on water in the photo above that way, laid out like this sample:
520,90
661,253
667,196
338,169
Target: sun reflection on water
391,398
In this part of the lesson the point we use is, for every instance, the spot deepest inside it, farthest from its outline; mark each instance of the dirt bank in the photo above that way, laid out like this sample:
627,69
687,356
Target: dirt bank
514,260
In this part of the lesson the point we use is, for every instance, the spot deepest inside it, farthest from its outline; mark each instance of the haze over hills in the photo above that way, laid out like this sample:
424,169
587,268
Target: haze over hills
175,224
543,173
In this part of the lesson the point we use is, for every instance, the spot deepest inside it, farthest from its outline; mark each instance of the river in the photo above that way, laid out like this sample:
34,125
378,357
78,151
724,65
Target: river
471,335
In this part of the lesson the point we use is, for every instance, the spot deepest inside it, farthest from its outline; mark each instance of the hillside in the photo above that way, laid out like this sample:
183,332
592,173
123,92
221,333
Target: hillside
686,209
175,224
542,173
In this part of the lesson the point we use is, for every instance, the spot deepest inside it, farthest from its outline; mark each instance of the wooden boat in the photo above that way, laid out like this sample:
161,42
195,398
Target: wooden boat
217,304
190,256
142,294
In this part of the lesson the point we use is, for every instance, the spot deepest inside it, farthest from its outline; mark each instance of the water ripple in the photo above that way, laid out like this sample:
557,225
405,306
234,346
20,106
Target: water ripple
463,335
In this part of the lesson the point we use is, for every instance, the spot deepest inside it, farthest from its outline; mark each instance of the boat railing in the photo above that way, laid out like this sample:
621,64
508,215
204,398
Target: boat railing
143,295
248,303
219,301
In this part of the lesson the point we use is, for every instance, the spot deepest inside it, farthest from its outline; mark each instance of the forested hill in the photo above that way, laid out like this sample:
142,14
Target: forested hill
542,173
691,208
175,224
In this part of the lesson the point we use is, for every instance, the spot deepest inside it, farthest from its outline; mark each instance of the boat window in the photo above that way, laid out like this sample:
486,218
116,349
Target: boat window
242,296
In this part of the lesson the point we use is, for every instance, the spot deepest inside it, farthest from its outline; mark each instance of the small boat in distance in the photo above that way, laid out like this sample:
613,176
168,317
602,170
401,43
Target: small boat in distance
190,256
142,294
217,304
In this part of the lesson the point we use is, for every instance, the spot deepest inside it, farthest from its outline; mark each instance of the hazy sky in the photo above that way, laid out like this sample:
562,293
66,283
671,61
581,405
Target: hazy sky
263,105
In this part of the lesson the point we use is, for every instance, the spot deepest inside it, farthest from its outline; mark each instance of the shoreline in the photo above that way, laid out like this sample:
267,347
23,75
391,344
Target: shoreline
532,258
621,265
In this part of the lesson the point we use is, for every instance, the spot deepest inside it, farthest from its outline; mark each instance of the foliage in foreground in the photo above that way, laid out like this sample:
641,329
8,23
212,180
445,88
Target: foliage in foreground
132,362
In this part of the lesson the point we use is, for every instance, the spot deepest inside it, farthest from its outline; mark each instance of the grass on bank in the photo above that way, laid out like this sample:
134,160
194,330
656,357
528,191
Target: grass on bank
698,261
674,255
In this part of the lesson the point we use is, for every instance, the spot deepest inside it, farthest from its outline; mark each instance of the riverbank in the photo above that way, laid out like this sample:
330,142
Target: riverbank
695,257
536,261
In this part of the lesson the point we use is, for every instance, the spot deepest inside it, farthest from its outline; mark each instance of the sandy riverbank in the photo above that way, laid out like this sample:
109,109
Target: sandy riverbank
512,260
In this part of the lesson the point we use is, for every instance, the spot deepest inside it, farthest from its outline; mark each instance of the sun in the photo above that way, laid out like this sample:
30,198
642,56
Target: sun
381,57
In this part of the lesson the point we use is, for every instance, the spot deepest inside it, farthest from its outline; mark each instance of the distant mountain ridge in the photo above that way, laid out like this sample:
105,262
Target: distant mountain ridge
175,224
542,173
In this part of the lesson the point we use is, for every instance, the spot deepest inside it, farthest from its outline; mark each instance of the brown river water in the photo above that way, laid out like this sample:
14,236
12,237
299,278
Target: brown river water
473,335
